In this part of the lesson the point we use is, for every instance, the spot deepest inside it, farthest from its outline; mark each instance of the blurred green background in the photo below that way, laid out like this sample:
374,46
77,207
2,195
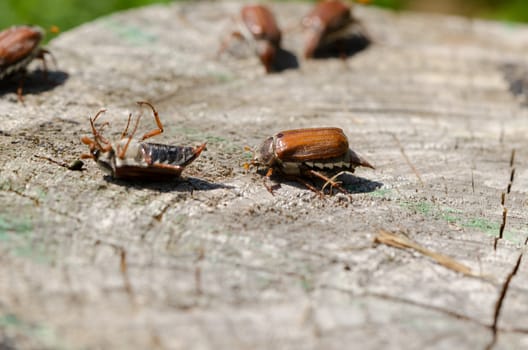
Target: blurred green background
69,13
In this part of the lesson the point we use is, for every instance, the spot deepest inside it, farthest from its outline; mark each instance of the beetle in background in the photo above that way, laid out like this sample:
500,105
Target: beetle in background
309,153
128,158
19,46
330,27
258,28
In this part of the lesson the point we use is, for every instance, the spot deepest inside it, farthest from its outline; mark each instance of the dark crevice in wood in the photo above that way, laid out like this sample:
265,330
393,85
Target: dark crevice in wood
502,226
512,176
36,201
159,216
503,200
124,272
123,269
512,158
502,297
472,181
198,271
447,312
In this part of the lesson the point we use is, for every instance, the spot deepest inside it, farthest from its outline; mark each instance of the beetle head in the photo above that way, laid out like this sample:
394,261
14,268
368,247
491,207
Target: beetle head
265,154
99,145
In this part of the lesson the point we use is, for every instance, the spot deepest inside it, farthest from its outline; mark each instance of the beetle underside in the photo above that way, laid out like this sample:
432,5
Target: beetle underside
156,161
128,158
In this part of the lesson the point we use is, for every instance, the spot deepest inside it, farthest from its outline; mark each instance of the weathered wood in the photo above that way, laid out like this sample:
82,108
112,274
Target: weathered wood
215,261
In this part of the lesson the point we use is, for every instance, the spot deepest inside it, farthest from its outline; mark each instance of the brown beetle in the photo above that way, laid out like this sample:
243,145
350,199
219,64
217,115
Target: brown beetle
309,152
19,45
326,25
129,158
257,26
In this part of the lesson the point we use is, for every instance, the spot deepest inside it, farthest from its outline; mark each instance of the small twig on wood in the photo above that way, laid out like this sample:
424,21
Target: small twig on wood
75,165
401,242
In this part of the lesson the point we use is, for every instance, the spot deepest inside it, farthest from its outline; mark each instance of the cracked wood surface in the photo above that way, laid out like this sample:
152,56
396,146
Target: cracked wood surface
436,103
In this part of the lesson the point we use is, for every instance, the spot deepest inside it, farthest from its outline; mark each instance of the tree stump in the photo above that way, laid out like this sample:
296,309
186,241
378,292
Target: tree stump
213,260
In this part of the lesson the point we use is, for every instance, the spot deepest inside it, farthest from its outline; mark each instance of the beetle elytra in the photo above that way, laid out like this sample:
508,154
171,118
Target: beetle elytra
309,153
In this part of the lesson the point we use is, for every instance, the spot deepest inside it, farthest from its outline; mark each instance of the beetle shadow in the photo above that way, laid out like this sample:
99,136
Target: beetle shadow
188,184
356,184
284,60
343,48
351,183
33,82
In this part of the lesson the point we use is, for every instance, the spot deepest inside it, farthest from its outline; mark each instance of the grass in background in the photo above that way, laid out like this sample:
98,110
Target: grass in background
67,14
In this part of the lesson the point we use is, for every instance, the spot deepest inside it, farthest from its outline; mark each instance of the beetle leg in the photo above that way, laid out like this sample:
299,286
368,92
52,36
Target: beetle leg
91,144
332,182
308,185
20,88
154,132
271,188
267,178
312,42
97,136
328,180
226,42
123,134
42,56
121,152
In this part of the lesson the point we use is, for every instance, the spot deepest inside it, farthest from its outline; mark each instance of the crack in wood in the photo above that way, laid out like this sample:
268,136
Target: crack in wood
37,203
472,181
502,297
503,200
124,272
444,311
447,312
123,269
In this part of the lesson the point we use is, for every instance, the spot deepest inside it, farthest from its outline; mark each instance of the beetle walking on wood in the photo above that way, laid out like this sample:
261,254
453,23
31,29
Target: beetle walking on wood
328,26
19,46
257,27
309,153
130,158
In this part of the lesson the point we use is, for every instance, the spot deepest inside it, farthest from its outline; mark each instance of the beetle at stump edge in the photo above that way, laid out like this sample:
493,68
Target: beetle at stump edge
129,158
19,45
311,152
327,27
258,28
